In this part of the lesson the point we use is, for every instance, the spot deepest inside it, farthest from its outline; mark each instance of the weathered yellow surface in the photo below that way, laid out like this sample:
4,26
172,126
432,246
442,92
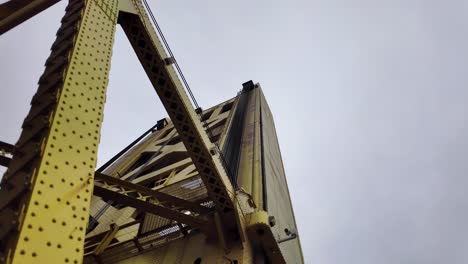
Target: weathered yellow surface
56,215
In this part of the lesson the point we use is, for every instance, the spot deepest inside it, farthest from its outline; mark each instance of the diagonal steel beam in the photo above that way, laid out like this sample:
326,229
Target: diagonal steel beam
163,197
146,206
15,12
106,240
159,69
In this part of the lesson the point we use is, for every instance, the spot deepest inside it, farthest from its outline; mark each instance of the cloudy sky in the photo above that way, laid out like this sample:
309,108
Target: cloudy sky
369,98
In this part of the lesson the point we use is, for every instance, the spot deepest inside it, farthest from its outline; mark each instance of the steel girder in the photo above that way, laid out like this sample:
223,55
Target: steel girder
15,12
151,201
46,191
158,66
5,148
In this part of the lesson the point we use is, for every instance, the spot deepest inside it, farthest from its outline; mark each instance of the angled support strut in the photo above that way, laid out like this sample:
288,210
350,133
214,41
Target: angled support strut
165,80
15,12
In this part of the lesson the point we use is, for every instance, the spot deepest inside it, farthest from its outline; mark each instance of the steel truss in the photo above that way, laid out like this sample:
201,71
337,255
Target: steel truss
46,193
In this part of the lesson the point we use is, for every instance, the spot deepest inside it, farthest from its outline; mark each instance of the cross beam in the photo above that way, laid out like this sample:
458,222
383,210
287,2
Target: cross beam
5,148
151,201
169,200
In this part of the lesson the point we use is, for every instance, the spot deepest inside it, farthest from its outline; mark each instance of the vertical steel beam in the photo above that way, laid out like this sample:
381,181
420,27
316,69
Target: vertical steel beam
257,176
250,166
46,191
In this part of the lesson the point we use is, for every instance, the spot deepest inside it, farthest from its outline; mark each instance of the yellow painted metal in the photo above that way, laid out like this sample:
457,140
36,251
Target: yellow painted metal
122,165
167,84
45,195
15,12
229,124
187,252
127,6
250,170
278,201
106,240
257,185
191,249
220,232
54,214
246,151
171,175
258,229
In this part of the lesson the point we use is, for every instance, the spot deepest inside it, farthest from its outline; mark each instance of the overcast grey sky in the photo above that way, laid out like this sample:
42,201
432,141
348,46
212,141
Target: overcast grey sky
369,99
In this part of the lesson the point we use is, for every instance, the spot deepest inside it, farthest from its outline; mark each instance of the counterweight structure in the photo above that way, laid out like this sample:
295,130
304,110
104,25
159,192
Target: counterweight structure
199,187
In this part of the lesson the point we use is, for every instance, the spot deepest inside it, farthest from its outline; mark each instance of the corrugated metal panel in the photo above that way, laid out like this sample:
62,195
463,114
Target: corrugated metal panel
152,222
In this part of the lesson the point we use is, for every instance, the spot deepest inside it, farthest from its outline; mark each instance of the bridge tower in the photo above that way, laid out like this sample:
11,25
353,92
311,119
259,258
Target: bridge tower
201,186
